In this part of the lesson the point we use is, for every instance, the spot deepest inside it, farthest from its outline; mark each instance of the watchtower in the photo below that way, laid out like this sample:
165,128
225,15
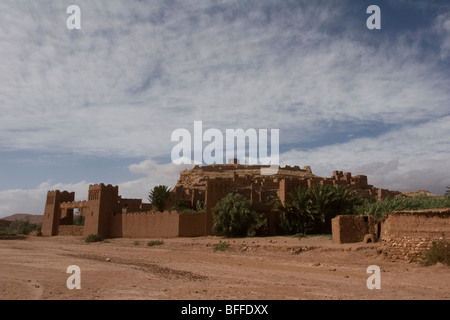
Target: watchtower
52,212
103,202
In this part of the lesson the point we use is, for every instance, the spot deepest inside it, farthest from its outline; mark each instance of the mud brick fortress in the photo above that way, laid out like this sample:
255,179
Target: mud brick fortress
109,215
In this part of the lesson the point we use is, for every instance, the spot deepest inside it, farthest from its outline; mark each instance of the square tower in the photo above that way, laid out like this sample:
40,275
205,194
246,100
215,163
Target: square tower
103,203
52,212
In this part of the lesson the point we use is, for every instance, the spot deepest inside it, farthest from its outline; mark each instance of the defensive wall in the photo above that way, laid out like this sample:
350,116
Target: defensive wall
108,215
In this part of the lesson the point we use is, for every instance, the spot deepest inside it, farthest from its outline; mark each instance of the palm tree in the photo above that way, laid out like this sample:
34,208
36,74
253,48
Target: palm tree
158,197
447,193
295,216
330,201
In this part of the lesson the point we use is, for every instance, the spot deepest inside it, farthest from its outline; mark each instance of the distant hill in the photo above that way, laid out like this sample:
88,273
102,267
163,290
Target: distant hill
33,218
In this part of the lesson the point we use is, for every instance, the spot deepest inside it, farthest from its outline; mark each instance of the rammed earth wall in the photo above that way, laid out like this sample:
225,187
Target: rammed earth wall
408,235
70,230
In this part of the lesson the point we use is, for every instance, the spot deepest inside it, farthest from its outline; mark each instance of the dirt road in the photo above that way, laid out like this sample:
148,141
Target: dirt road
275,268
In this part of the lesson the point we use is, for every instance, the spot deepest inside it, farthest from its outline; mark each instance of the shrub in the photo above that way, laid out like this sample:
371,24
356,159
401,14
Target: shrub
200,206
78,221
380,208
221,246
155,243
439,252
93,238
23,227
233,216
136,243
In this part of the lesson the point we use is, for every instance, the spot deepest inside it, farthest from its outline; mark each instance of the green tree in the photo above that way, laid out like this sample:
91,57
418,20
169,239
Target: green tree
158,197
234,216
23,227
447,192
311,210
295,216
329,201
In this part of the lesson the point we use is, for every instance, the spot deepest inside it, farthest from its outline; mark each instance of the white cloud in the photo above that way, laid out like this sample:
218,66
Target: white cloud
33,200
133,74
410,158
442,28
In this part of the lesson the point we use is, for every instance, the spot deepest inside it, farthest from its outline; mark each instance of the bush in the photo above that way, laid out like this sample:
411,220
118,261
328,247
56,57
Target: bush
380,208
78,221
23,227
221,246
439,252
155,243
136,243
200,206
93,238
233,216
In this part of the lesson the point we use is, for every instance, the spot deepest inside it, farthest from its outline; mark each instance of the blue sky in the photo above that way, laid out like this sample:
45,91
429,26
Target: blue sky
99,104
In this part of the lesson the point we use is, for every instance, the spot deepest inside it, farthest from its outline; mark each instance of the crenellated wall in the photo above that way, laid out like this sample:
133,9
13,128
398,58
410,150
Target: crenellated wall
108,215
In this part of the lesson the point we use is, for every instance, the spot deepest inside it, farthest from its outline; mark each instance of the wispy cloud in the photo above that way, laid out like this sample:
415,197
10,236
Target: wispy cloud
135,73
413,157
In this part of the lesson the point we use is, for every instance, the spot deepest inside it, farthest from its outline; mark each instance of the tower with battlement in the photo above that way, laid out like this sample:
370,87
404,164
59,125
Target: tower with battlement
103,203
52,211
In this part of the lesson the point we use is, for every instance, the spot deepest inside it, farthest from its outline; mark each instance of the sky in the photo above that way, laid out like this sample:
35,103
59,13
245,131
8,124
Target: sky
99,104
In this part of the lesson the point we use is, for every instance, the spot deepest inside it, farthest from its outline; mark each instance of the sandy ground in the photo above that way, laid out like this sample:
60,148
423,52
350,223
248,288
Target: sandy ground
275,268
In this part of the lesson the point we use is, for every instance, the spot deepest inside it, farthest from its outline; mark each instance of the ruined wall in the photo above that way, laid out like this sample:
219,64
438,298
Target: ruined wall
408,235
350,228
66,230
